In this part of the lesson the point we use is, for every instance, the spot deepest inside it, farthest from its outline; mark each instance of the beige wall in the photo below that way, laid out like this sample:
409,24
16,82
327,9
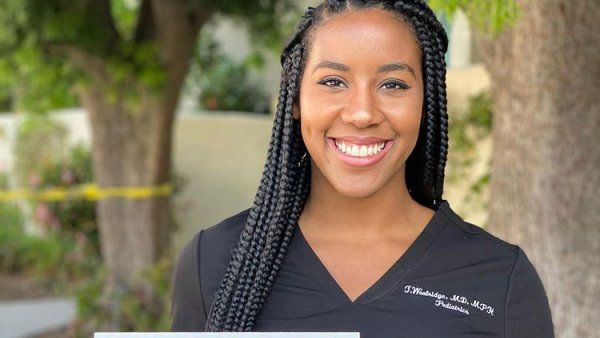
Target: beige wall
221,156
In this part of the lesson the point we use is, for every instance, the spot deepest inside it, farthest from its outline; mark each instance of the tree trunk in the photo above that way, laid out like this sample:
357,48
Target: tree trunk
131,143
545,75
130,148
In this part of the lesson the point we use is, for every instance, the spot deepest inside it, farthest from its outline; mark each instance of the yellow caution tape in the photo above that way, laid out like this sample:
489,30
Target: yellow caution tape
87,191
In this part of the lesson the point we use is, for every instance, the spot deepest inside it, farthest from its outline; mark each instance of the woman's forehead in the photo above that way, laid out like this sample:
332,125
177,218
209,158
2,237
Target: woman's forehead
365,35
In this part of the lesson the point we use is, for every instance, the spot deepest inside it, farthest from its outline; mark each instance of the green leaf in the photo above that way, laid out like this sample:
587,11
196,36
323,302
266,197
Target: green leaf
489,16
125,13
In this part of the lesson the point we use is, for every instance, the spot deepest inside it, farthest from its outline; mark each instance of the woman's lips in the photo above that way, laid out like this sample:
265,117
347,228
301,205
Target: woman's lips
355,161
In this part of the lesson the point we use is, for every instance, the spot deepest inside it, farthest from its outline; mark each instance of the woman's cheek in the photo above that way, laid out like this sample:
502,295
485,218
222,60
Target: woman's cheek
322,107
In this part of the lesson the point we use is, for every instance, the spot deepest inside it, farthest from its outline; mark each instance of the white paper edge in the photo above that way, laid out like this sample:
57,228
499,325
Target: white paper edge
226,334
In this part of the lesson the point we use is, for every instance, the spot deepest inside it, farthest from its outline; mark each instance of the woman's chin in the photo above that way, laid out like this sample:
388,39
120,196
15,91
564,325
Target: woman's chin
357,191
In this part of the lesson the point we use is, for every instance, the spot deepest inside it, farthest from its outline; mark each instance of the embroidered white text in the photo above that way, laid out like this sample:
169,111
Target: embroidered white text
440,297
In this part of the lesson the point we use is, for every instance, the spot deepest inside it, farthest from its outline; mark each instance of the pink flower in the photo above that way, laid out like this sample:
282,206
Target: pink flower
80,239
67,176
212,103
34,180
45,217
42,213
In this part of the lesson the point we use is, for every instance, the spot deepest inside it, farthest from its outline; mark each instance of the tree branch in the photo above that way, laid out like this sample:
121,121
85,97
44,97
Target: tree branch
105,18
199,15
91,64
145,29
177,26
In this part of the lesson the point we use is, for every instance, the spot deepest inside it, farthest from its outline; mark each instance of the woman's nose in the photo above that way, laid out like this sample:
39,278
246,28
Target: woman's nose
362,109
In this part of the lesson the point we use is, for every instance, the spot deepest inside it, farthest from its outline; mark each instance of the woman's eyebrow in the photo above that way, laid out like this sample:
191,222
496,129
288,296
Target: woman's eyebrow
333,65
396,66
382,69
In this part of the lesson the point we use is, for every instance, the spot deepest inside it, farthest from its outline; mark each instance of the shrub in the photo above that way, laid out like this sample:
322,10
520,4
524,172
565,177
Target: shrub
73,220
132,313
68,249
466,130
225,85
11,238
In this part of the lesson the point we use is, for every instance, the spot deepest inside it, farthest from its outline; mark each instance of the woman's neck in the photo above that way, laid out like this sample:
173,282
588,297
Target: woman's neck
390,211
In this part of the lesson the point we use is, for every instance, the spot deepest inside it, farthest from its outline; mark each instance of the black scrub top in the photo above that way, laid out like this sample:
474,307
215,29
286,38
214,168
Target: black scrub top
454,280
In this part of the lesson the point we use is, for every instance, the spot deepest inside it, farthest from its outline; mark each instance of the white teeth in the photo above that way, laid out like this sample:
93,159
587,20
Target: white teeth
363,150
359,150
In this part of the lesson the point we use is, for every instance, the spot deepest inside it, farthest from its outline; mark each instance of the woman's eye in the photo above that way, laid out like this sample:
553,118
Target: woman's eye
396,85
331,82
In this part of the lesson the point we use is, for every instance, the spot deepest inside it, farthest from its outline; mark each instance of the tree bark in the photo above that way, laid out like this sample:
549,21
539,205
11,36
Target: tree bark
130,148
545,75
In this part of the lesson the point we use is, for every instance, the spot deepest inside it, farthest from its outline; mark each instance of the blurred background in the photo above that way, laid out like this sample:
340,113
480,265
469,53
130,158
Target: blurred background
129,125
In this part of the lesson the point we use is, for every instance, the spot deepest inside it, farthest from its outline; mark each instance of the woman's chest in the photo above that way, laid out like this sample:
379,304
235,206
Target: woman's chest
416,308
406,301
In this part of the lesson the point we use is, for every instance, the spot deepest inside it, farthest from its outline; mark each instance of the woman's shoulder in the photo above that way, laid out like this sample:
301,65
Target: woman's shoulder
228,229
200,267
218,240
475,235
506,263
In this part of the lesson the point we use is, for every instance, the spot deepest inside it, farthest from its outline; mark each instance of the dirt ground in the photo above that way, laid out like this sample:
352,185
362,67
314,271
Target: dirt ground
62,333
14,287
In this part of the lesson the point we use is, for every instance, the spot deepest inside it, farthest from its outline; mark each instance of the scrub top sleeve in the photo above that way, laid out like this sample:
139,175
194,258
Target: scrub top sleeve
527,311
187,308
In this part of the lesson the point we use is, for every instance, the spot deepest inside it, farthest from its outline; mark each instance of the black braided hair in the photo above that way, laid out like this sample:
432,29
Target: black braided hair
285,182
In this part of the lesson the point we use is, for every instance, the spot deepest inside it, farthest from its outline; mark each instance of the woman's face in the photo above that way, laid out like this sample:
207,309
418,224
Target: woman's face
361,89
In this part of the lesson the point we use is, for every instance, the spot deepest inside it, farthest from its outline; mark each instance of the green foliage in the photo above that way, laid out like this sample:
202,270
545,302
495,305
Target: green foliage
490,16
225,85
36,75
10,18
466,130
11,236
125,309
135,70
476,123
66,22
143,57
68,249
56,261
66,258
13,17
125,14
269,21
32,81
3,176
73,220
40,140
5,100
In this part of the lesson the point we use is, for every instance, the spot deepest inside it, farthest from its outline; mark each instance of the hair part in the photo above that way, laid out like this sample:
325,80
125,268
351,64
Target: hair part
285,182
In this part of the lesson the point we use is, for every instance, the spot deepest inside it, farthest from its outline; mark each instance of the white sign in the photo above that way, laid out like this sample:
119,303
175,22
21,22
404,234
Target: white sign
229,335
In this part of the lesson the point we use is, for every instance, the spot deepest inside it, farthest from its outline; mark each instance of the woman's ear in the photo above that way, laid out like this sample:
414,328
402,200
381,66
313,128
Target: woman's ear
296,111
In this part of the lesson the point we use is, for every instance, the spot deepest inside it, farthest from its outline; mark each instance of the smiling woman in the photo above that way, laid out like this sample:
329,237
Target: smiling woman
349,230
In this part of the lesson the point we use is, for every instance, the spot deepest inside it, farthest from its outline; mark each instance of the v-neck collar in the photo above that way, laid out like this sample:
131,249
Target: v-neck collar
397,273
